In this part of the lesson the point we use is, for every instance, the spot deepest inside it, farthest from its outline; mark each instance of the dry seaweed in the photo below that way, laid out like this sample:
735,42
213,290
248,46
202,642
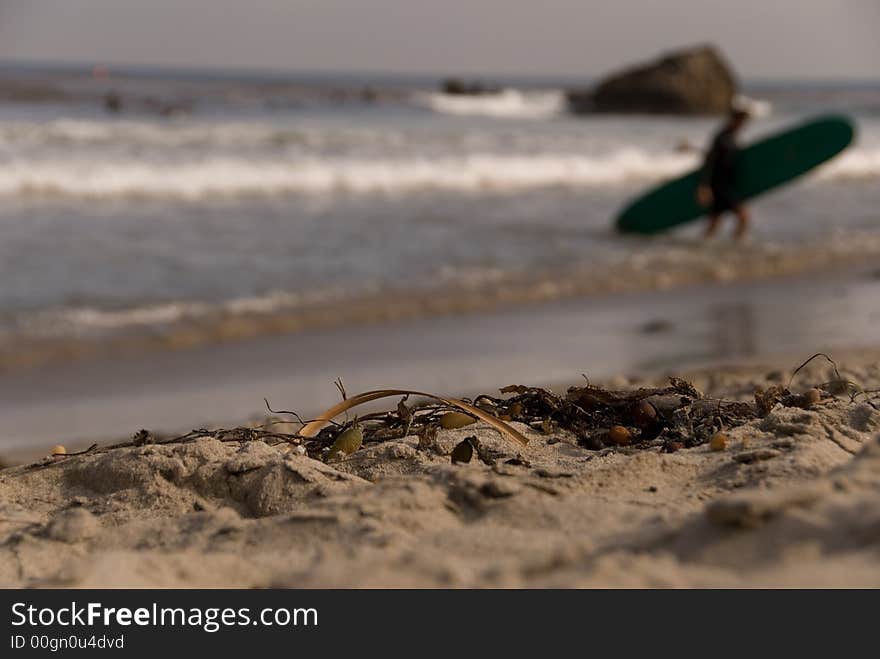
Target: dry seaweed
670,418
463,451
677,413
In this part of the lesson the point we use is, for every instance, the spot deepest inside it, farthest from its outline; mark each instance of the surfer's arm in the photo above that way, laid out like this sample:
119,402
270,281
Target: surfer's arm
707,173
709,164
704,190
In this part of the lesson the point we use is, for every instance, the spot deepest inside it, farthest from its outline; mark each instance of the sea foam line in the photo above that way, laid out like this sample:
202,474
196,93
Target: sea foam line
232,177
504,104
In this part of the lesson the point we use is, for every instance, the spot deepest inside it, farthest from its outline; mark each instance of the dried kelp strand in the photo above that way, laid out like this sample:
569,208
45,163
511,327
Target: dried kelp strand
312,428
453,420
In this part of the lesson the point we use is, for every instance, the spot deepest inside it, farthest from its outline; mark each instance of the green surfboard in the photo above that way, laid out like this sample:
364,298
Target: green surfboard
760,167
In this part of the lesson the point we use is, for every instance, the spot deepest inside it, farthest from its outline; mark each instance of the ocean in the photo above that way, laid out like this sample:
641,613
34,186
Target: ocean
209,201
162,211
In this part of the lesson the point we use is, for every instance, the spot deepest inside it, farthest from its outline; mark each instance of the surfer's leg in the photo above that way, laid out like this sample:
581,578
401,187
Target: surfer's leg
742,222
712,227
720,205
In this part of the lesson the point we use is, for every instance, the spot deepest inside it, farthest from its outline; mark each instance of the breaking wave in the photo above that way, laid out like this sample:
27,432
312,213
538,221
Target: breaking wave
249,177
213,135
505,104
242,177
854,164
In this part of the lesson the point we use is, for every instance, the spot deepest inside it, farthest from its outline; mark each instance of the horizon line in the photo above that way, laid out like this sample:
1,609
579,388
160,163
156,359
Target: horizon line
156,70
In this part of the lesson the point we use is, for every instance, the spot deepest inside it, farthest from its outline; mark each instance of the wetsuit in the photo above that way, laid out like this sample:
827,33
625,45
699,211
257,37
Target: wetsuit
719,172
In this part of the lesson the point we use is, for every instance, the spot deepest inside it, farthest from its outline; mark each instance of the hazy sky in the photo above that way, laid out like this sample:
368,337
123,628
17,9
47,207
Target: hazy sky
767,38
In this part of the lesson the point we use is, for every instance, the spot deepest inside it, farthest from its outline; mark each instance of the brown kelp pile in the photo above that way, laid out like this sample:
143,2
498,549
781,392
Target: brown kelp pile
667,418
672,417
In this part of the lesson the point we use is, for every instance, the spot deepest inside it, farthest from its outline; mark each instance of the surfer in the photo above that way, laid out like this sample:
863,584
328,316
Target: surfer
717,190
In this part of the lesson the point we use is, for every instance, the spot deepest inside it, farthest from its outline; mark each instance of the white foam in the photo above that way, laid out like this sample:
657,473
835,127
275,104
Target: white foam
121,134
859,163
233,177
86,319
756,107
478,172
89,319
667,261
505,104
192,161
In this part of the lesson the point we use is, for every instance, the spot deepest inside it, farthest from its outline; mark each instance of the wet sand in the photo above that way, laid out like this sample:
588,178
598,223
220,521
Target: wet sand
778,321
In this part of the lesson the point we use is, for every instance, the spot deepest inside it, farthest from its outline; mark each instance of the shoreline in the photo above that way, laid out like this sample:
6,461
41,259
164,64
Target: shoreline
540,344
687,264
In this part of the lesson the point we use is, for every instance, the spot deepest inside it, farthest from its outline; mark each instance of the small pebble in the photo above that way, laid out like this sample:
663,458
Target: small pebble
347,443
463,452
592,442
812,397
619,435
719,441
643,414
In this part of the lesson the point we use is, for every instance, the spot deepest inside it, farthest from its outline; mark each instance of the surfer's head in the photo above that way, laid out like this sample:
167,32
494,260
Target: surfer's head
738,117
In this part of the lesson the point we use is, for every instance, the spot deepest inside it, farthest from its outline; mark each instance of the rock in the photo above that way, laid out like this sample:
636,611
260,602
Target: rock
694,81
463,451
459,87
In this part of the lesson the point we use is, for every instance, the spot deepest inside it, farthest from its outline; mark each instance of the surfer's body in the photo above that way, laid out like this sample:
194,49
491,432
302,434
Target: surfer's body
717,188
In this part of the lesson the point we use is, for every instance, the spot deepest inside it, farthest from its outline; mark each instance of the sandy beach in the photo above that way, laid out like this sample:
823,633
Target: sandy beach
186,249
790,500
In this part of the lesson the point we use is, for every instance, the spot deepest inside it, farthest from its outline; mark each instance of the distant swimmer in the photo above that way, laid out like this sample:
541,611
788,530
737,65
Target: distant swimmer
717,188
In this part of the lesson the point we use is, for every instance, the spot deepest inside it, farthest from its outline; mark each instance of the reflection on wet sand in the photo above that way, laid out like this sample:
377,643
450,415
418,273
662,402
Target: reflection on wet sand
736,330
548,343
